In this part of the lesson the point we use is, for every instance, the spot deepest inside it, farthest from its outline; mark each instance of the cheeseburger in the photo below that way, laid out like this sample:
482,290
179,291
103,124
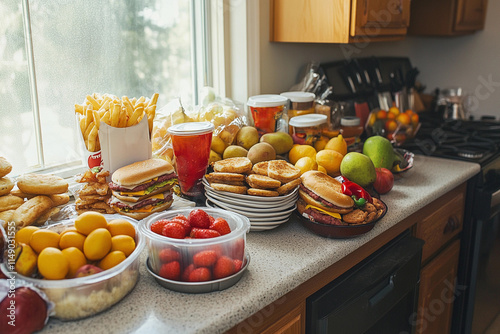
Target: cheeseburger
321,198
142,188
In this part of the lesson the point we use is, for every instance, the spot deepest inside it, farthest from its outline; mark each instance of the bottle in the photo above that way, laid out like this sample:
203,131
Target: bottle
351,129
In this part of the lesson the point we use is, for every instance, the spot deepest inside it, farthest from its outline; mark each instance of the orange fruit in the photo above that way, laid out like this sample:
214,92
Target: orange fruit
52,264
321,143
391,125
97,244
124,243
121,226
24,234
44,238
76,260
89,221
394,110
111,260
330,160
68,229
382,114
72,239
305,164
403,119
391,116
414,119
299,151
337,144
409,112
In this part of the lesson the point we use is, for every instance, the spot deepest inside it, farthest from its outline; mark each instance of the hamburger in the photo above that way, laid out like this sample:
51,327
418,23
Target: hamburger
142,188
321,198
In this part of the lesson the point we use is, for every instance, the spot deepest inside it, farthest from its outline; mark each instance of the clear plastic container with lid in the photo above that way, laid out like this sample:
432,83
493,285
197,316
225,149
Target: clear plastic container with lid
306,129
301,103
268,113
351,129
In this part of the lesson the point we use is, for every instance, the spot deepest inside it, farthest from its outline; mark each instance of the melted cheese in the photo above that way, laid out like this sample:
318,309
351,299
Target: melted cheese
333,214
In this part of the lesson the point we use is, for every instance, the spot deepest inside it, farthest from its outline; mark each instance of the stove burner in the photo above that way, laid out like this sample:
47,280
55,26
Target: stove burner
470,155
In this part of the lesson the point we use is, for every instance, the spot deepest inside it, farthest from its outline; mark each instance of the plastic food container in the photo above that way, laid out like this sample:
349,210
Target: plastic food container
351,129
306,129
268,112
82,297
301,103
232,245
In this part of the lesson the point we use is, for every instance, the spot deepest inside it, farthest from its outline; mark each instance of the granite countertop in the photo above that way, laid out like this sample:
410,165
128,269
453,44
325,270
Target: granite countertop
281,259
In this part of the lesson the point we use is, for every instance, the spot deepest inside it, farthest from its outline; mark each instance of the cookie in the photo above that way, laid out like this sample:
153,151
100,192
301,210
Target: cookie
10,202
5,167
42,184
59,199
31,210
19,193
6,185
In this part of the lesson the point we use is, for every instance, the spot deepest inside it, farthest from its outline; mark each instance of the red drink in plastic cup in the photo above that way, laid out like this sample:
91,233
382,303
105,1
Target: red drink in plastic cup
267,111
191,143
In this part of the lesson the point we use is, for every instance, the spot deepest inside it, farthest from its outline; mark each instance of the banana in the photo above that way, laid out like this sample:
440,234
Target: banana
26,260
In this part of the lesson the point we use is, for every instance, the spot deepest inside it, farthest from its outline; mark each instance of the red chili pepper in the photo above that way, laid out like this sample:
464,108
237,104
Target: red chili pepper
353,189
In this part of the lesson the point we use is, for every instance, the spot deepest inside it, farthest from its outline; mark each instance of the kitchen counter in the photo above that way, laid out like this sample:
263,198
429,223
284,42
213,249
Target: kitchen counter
281,260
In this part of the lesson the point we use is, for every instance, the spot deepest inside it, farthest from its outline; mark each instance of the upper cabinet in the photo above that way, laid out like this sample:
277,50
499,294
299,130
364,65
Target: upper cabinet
338,21
447,17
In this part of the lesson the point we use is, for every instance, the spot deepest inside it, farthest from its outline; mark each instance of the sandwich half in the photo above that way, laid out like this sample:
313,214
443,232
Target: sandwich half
142,188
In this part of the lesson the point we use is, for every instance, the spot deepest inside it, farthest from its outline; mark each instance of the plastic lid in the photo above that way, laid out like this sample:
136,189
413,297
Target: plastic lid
191,128
269,100
350,121
307,120
299,96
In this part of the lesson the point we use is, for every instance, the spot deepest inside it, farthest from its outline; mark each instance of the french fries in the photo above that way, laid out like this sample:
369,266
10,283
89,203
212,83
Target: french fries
113,111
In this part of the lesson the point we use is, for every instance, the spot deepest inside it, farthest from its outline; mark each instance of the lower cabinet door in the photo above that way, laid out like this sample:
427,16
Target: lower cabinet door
292,323
437,292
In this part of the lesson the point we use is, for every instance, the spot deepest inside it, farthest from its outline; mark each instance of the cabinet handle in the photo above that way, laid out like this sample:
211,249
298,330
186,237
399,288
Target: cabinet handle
451,225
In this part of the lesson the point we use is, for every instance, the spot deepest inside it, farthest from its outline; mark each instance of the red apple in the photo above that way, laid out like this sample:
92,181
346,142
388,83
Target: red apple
384,181
87,270
22,311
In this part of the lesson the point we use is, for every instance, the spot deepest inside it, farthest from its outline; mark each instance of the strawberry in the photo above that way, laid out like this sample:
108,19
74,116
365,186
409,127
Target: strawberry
174,230
200,274
224,267
184,223
237,265
203,233
221,226
212,219
179,216
171,270
168,254
187,271
206,258
199,218
157,226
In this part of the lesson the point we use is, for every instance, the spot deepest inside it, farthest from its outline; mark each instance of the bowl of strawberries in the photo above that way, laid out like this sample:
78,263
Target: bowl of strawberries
196,250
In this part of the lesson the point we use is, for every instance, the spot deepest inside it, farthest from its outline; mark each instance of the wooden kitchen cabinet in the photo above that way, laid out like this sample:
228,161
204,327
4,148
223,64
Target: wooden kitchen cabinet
447,17
338,21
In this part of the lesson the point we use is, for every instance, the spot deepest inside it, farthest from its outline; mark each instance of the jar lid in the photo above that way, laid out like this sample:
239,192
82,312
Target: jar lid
299,96
308,120
268,100
191,128
350,121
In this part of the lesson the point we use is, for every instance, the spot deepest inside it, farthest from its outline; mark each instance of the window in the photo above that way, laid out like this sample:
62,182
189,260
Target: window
55,52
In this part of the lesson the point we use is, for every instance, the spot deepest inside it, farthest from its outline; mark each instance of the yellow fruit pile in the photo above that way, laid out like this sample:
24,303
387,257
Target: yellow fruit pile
326,160
393,123
92,240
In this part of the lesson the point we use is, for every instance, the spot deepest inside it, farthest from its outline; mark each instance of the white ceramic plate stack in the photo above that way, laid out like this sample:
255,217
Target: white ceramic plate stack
265,213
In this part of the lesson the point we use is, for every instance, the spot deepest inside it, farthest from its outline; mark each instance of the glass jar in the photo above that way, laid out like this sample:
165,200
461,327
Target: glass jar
351,129
306,129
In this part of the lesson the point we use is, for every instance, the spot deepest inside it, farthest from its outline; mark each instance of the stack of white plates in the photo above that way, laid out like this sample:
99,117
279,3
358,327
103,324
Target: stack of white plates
265,213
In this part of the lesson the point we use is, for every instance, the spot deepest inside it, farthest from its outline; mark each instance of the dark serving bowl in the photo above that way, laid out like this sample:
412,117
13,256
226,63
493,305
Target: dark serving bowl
338,231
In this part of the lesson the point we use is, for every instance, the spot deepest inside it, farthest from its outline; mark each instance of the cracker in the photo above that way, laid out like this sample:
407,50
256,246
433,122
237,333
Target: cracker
262,192
59,199
31,210
19,193
42,184
289,186
262,182
9,202
233,165
6,185
229,188
355,217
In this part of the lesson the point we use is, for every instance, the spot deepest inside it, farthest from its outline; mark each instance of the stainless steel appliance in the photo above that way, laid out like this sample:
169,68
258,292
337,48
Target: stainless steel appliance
379,295
473,141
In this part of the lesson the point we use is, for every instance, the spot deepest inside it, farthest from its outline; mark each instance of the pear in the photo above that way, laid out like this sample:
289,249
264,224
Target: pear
234,151
358,168
379,149
281,142
261,152
247,137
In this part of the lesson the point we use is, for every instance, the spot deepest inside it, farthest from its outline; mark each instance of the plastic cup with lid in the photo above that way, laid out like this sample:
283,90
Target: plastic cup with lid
268,113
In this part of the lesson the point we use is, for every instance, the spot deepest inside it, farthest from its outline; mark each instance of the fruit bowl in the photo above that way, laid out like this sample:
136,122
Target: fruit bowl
82,297
395,126
195,259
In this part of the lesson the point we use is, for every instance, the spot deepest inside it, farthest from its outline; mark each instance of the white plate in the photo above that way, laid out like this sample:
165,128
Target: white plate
268,206
254,212
270,223
277,215
262,228
273,220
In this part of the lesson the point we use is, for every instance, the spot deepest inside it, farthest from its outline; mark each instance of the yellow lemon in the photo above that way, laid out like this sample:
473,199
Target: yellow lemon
121,226
305,164
322,169
43,238
337,144
97,244
89,221
76,260
218,145
24,234
124,243
330,160
214,156
111,260
68,229
321,143
72,239
300,151
52,264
